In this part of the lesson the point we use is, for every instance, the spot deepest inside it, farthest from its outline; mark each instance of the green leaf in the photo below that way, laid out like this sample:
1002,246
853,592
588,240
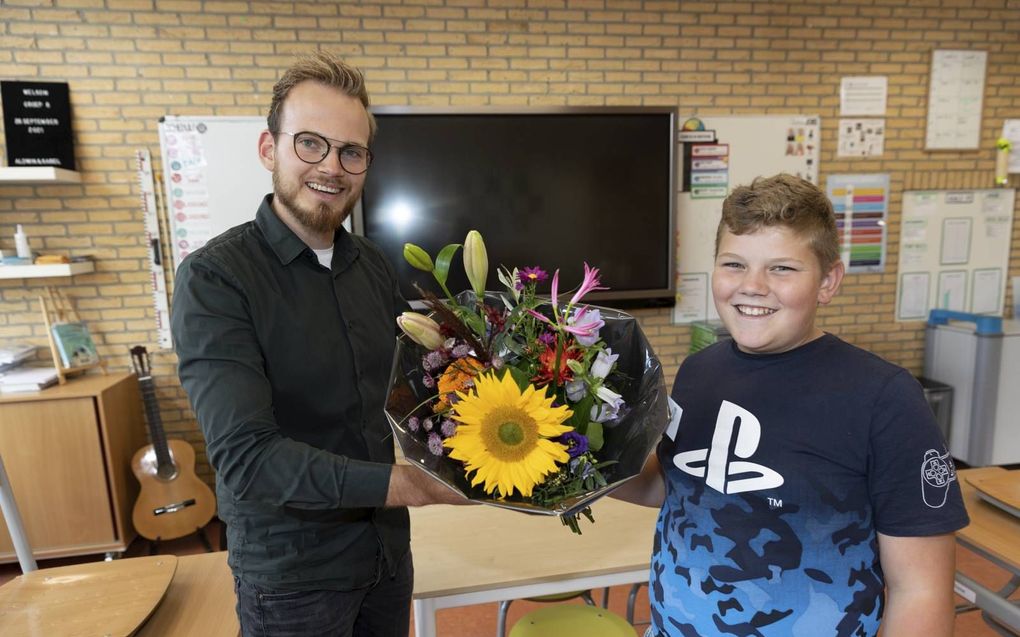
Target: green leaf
594,433
443,260
520,377
582,414
575,366
475,322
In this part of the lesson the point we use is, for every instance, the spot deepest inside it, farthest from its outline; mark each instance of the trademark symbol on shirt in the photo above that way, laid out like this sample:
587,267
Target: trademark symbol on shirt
775,503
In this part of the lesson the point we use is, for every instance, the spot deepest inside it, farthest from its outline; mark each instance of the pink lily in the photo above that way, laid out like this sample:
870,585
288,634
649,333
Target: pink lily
590,283
585,325
555,290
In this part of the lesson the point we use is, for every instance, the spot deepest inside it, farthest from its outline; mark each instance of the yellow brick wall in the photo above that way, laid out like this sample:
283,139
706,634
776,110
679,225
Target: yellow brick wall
130,61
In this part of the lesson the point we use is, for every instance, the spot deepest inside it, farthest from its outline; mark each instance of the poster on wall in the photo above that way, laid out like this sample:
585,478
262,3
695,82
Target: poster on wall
954,251
861,137
756,146
861,204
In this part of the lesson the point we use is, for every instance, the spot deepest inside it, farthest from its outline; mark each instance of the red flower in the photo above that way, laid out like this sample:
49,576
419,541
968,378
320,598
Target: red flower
547,360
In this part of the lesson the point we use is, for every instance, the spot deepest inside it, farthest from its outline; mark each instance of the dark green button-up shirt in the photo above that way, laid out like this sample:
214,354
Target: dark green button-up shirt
286,366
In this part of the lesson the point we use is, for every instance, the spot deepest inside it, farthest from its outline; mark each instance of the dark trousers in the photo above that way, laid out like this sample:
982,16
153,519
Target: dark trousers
379,610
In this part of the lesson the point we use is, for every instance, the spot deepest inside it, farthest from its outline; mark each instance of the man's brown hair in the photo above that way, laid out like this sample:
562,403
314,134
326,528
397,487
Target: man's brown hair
325,68
786,201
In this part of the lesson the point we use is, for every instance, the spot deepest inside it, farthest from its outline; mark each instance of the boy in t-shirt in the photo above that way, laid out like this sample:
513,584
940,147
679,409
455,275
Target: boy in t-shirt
805,487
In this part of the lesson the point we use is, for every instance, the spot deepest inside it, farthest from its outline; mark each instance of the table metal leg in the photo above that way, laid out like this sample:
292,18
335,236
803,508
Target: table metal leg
1004,612
424,618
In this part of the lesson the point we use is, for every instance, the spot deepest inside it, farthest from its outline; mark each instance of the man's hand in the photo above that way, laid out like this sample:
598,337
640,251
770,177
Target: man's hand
411,487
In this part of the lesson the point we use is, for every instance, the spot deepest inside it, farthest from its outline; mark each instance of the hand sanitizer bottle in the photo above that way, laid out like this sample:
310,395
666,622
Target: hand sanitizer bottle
21,244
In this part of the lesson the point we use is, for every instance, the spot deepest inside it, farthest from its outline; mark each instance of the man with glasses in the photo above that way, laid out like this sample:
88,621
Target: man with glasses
284,329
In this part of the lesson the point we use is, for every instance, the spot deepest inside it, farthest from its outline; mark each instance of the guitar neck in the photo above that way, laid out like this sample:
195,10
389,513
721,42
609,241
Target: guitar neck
155,422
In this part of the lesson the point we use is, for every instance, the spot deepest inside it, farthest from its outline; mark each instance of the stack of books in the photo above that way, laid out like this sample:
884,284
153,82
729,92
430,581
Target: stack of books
14,354
15,377
21,379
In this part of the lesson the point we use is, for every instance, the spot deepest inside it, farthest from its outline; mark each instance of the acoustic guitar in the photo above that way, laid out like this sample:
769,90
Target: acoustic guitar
173,502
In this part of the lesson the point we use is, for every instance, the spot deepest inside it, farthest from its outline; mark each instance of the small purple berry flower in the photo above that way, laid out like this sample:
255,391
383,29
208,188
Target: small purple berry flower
413,423
428,381
448,428
426,424
435,444
460,351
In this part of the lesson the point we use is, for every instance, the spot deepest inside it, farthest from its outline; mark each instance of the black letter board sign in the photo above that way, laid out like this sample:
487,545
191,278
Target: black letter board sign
37,118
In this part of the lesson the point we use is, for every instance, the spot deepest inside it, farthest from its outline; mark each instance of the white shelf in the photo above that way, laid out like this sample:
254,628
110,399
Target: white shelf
38,175
48,270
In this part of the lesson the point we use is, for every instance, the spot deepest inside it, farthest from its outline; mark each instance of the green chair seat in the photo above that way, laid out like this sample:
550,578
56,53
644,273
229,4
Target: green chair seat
572,620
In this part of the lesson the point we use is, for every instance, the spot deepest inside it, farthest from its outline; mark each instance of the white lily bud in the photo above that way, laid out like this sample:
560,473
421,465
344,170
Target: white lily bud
420,329
476,262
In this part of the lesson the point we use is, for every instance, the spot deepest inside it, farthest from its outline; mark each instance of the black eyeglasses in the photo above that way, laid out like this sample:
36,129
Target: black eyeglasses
312,148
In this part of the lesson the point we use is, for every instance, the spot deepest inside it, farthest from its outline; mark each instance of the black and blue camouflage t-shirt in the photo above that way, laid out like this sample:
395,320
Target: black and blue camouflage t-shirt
780,472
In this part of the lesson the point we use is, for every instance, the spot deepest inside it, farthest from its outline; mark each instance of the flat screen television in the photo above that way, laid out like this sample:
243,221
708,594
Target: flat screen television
547,188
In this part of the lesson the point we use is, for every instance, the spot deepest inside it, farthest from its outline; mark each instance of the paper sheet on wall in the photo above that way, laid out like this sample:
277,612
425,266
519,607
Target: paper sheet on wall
1011,131
861,137
955,95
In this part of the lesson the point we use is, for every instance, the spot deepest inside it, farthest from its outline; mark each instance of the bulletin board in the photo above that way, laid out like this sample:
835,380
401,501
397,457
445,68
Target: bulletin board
954,251
212,177
756,146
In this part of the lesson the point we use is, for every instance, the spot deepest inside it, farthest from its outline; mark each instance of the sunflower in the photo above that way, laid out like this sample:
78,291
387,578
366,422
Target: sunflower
504,434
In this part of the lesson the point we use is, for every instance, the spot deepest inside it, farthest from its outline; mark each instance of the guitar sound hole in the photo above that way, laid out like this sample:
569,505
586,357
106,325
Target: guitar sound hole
166,472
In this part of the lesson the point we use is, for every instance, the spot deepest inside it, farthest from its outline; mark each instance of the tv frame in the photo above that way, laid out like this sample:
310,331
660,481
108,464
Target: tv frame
648,297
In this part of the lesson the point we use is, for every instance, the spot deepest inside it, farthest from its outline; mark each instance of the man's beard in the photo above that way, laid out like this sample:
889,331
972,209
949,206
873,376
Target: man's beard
322,220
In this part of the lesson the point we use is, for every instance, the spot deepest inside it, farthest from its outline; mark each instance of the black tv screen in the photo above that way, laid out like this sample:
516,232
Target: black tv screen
549,189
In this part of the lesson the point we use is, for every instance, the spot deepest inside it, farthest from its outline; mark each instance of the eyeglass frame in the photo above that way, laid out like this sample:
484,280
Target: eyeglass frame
340,146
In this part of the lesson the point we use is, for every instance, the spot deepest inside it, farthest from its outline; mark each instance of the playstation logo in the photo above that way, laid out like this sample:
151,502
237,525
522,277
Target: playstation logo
716,465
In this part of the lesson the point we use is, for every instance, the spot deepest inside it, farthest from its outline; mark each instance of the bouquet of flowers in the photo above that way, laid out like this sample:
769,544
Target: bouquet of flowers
530,403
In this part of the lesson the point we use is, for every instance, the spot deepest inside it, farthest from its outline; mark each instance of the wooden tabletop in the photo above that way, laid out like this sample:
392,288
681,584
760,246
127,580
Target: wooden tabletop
96,598
991,529
461,549
200,600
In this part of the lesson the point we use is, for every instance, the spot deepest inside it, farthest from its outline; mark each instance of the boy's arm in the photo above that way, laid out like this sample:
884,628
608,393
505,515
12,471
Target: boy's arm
648,488
919,585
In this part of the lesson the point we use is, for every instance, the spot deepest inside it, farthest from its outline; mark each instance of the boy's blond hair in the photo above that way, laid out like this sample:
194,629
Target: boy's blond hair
786,201
325,68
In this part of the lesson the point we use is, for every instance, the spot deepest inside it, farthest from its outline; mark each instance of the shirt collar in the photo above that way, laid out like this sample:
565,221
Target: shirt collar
287,246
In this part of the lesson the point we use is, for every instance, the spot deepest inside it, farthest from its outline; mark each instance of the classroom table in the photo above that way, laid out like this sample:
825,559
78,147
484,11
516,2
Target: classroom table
468,555
186,596
993,533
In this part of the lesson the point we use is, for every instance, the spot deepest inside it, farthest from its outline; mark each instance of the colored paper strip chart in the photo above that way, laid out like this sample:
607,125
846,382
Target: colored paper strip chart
861,204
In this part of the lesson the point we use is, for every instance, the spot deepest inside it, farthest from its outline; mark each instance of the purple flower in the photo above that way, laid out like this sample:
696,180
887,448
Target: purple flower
428,381
497,362
533,274
435,444
547,338
426,424
576,390
448,428
413,423
460,351
576,443
603,363
585,325
433,360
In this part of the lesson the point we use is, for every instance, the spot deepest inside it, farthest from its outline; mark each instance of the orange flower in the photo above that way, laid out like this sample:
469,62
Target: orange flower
456,378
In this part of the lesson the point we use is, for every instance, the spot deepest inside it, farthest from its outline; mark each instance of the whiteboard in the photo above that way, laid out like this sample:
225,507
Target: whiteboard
954,251
760,145
212,177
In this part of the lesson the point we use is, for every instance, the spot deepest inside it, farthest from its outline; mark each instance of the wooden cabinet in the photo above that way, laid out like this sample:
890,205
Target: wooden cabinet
67,450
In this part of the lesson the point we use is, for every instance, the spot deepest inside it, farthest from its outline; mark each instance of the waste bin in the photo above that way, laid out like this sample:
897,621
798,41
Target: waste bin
940,399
